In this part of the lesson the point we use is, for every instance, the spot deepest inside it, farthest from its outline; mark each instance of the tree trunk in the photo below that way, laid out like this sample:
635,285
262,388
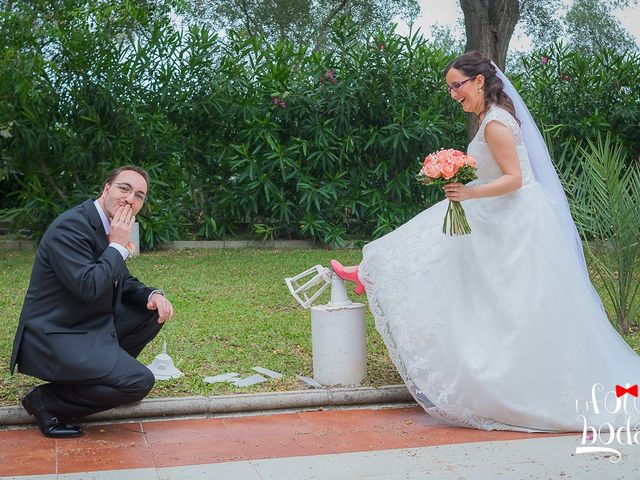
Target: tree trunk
489,25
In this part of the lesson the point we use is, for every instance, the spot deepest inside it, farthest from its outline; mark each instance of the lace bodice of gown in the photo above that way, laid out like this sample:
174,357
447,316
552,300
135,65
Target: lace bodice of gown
488,169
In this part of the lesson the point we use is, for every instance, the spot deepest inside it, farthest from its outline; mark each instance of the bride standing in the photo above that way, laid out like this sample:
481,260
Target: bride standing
501,328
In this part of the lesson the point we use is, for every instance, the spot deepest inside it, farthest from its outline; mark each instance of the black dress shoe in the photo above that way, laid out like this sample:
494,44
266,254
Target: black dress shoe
54,428
49,425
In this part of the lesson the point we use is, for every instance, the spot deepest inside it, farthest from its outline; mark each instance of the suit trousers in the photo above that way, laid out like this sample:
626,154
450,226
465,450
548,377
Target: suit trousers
129,381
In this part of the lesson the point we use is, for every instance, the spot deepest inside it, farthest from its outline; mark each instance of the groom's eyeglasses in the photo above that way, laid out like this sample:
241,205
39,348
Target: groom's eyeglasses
128,189
456,85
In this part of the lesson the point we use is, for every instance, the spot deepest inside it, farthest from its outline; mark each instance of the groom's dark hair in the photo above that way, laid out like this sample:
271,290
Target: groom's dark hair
477,63
134,168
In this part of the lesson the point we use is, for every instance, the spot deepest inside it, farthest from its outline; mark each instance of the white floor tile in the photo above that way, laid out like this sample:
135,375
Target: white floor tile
520,471
418,475
133,474
214,471
317,467
393,462
558,456
52,476
472,454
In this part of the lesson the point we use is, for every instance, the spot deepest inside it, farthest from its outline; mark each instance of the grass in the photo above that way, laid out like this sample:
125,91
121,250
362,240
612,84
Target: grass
233,312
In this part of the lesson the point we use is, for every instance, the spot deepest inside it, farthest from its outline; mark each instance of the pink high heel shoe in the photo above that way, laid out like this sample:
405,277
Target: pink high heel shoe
351,276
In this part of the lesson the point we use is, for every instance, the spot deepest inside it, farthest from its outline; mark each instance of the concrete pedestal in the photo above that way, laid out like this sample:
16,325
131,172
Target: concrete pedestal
338,337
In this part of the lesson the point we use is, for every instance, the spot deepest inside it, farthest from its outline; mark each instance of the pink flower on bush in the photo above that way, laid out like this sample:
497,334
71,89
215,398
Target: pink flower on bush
330,75
279,101
544,59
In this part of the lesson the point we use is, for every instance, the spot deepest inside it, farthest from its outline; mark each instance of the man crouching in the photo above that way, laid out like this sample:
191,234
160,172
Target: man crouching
85,319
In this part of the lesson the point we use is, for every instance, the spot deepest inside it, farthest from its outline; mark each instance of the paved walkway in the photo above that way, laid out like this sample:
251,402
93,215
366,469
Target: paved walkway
344,444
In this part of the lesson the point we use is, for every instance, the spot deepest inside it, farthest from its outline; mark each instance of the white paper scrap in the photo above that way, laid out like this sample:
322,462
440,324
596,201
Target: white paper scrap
225,377
268,373
252,380
309,381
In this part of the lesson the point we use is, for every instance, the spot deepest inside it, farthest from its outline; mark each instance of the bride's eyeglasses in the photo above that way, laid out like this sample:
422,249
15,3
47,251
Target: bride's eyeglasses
456,85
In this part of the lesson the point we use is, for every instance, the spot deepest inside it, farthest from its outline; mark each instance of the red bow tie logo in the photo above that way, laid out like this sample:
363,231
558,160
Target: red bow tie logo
620,390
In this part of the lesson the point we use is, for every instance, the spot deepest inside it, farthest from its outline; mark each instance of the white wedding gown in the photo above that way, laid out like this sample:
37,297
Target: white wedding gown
497,329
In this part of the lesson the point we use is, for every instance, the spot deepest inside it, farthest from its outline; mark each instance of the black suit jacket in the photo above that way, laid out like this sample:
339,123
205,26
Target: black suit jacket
66,330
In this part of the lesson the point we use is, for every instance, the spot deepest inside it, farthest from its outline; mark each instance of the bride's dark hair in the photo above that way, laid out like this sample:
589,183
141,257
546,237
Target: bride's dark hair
476,63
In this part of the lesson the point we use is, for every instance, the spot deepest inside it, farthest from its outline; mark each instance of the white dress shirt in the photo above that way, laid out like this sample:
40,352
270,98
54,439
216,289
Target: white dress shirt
107,227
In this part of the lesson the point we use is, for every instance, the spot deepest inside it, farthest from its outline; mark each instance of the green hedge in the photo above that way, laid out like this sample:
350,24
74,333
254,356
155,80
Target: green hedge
575,97
243,137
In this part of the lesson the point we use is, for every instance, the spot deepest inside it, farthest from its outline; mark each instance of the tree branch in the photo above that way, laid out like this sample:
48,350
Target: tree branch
248,20
50,179
325,24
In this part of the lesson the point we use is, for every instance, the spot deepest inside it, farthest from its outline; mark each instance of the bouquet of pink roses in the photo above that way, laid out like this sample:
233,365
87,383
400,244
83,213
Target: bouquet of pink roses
450,166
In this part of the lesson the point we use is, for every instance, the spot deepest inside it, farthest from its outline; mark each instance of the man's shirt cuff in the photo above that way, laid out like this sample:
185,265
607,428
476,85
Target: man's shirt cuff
155,291
123,251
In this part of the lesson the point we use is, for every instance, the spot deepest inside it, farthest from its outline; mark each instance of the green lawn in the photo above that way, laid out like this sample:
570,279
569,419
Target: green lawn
233,312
